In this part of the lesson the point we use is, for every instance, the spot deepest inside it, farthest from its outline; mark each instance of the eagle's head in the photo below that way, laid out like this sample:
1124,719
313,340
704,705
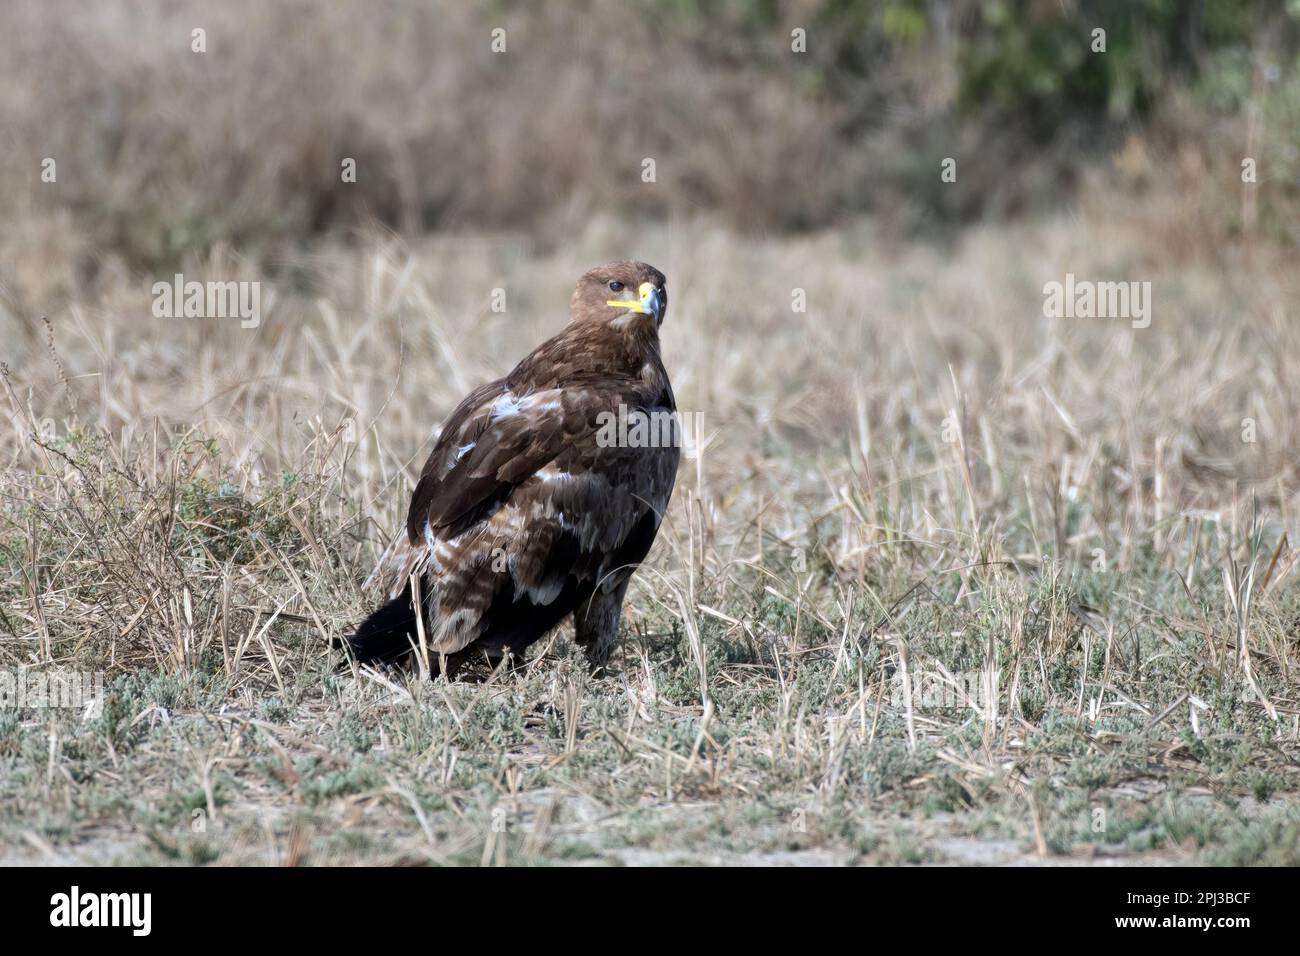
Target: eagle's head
621,294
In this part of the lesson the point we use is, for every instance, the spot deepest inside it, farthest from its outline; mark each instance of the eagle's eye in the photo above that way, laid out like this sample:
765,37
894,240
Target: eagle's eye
615,286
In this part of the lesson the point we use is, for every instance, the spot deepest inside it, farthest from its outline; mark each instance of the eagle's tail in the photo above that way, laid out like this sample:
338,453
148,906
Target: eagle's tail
383,636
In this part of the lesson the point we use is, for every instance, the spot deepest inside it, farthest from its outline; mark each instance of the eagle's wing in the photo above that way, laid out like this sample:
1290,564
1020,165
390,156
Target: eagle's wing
494,441
519,502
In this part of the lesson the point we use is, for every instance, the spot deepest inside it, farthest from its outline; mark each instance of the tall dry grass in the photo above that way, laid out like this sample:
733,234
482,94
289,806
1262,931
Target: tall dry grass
922,416
921,474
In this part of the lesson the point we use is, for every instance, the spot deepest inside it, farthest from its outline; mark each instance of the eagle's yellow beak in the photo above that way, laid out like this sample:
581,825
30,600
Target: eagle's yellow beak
649,301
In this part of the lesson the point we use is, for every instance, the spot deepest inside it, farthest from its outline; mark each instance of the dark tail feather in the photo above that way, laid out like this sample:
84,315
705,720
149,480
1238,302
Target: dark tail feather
382,637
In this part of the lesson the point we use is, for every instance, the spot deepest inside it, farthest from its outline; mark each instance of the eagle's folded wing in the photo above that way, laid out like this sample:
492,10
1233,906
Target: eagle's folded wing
495,441
489,523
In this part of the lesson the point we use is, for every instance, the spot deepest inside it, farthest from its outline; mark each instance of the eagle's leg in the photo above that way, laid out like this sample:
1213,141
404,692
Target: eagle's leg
595,623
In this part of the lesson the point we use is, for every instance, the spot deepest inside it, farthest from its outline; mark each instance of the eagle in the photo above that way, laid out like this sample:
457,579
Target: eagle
543,493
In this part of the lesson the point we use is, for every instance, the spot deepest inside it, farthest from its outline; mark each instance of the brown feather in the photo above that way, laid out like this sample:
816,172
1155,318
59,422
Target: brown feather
521,515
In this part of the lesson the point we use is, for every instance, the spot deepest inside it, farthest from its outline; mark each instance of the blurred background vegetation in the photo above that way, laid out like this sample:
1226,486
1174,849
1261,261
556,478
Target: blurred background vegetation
164,153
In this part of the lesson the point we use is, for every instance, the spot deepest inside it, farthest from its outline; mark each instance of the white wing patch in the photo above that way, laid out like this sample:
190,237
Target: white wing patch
510,404
506,406
461,452
553,475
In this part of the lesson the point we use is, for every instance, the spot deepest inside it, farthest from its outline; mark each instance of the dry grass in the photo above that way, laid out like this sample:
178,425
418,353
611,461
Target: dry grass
199,516
919,478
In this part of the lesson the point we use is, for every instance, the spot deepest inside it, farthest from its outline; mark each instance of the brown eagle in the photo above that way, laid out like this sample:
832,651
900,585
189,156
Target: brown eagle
544,491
